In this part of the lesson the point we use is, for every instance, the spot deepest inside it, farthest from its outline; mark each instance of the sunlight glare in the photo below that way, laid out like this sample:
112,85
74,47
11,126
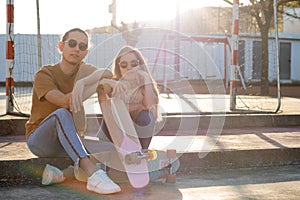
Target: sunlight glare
158,10
141,10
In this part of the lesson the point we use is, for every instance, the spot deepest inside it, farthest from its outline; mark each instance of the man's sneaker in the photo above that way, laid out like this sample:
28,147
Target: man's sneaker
99,182
52,175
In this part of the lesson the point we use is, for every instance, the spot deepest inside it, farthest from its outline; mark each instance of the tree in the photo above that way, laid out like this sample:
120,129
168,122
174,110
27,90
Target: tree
263,12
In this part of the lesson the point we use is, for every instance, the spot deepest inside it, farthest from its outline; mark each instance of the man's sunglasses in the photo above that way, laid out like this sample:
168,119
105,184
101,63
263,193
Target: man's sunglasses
73,43
133,63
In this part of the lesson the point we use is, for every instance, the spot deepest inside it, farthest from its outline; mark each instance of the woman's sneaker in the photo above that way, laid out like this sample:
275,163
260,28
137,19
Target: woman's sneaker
100,183
52,175
79,174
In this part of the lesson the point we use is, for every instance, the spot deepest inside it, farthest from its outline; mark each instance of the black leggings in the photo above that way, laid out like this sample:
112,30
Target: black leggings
144,125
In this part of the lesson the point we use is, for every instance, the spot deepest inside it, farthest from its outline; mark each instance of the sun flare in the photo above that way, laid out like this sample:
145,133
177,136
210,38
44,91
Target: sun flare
157,10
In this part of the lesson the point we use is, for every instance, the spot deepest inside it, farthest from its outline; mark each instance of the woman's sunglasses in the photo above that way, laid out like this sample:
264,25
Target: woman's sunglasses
133,63
73,43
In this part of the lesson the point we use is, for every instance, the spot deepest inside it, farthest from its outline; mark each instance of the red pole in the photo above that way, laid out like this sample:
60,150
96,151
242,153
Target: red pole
234,54
9,55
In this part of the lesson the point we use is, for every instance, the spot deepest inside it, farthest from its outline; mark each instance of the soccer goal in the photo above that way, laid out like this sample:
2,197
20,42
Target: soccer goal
210,70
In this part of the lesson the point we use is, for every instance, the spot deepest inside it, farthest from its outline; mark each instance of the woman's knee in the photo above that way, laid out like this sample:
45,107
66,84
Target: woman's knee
145,118
145,124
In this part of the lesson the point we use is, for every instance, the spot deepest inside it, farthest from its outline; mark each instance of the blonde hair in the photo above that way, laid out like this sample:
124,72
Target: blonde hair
142,63
134,95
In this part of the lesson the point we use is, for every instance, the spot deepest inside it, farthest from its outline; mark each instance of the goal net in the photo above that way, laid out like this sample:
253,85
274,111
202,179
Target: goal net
191,63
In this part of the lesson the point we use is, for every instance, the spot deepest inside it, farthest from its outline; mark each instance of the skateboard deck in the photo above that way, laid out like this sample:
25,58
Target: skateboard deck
158,169
125,139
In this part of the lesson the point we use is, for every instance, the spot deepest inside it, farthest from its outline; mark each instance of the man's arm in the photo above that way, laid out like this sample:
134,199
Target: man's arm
96,76
91,82
87,86
58,98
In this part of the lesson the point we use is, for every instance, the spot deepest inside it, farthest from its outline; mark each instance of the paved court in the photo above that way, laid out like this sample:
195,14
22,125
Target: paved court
187,103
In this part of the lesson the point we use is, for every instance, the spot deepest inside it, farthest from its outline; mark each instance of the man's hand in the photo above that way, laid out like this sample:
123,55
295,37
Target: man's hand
76,101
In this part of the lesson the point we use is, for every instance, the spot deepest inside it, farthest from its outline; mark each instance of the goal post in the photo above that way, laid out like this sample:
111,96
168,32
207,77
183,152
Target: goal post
9,56
238,99
277,56
234,54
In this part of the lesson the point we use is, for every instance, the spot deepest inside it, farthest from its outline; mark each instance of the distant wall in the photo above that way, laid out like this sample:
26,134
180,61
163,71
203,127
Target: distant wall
197,60
290,24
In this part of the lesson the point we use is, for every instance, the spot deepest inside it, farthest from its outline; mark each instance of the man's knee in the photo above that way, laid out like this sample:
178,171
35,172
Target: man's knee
63,112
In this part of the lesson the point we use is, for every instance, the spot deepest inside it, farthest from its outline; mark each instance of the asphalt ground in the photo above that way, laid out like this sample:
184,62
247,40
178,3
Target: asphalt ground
226,184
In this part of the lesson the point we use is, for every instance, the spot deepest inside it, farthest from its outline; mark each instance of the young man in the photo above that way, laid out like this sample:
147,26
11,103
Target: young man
51,130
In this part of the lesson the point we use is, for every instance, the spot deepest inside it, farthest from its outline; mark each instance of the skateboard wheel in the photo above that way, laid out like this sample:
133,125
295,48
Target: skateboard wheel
171,178
171,153
152,154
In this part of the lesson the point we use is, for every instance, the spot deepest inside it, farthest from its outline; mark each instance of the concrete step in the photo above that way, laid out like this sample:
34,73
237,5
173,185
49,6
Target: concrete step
15,125
232,148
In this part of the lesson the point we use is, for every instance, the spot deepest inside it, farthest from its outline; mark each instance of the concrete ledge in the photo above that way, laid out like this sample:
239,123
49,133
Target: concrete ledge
10,125
30,171
232,121
239,159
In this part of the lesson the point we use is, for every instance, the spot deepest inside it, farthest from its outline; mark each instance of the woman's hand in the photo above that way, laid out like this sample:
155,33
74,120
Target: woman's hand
137,76
121,88
144,77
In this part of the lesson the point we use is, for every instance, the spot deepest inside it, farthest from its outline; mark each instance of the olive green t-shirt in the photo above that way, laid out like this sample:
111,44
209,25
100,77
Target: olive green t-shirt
46,79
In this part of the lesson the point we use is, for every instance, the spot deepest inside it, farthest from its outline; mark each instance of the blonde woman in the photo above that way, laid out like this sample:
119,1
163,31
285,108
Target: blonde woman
133,83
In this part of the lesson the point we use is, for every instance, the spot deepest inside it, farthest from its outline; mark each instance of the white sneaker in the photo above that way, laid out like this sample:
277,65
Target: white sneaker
52,175
99,182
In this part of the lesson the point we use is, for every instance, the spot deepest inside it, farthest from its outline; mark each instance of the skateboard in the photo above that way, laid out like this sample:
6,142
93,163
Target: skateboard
163,167
125,138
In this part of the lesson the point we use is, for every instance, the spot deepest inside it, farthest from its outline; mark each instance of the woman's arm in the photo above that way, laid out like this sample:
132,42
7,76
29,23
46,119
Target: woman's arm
136,106
149,92
150,96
